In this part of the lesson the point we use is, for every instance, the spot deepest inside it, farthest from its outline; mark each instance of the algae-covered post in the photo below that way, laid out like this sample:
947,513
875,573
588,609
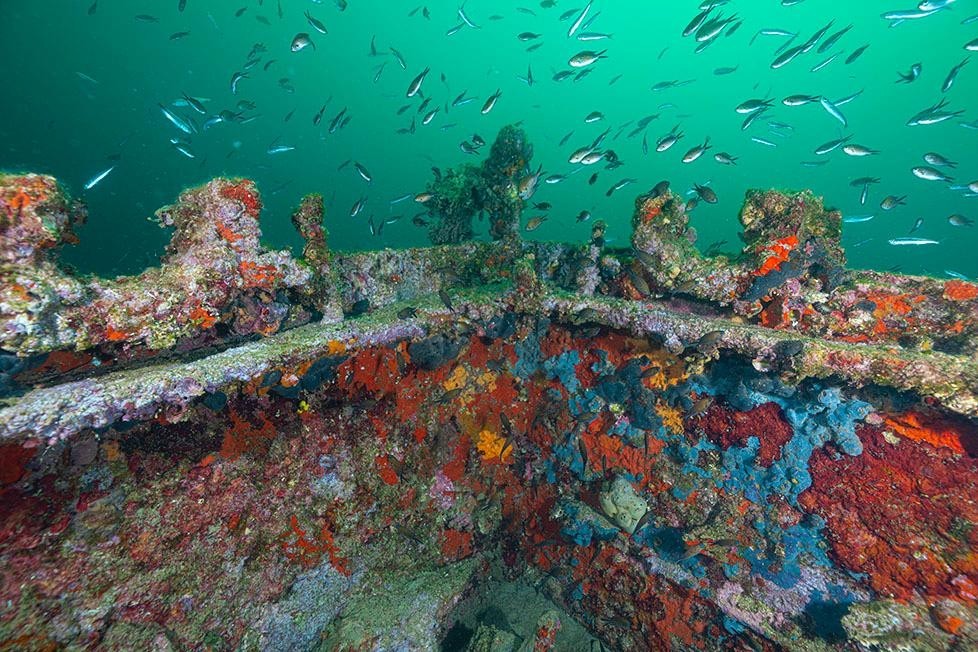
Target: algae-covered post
491,190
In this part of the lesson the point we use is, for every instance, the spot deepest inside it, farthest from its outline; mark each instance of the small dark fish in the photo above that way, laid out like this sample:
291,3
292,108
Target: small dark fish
583,450
709,341
176,36
446,298
645,258
659,189
535,222
856,54
316,24
407,313
491,102
399,57
450,396
706,194
700,407
638,282
415,84
911,76
363,172
585,315
316,119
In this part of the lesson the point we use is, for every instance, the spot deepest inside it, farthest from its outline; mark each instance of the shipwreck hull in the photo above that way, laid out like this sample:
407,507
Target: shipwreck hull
341,451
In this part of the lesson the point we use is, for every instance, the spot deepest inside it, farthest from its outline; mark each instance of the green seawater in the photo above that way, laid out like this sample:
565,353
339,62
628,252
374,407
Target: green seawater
55,121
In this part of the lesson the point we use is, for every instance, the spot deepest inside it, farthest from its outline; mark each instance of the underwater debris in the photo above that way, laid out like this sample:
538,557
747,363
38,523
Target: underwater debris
769,451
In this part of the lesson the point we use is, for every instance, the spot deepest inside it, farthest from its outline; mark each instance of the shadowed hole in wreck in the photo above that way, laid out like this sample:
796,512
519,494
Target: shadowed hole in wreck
824,620
457,638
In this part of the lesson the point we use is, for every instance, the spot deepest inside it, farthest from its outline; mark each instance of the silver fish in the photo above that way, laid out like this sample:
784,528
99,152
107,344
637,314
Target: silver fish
97,178
908,14
832,145
363,172
399,57
183,149
235,79
415,84
580,19
912,241
951,76
177,121
833,111
787,57
824,63
429,116
195,104
668,141
585,58
830,41
465,19
933,115
892,201
316,24
936,159
858,150
491,102
930,174
856,219
301,41
752,106
911,76
696,152
799,100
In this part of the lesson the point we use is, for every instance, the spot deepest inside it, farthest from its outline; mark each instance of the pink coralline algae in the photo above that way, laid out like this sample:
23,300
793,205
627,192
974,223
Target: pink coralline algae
214,271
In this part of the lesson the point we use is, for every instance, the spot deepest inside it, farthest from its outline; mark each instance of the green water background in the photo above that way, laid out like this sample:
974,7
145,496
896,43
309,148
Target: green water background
53,121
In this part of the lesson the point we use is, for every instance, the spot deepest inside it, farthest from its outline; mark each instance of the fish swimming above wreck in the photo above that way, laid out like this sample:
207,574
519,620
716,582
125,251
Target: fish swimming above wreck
384,370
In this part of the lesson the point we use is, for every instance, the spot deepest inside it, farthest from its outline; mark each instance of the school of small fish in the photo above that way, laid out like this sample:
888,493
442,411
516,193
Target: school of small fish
426,103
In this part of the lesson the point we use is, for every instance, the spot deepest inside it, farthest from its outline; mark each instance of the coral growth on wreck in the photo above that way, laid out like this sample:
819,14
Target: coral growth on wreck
672,450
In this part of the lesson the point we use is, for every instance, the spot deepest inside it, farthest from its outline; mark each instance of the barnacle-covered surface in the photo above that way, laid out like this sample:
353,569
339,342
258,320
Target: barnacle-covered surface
771,452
